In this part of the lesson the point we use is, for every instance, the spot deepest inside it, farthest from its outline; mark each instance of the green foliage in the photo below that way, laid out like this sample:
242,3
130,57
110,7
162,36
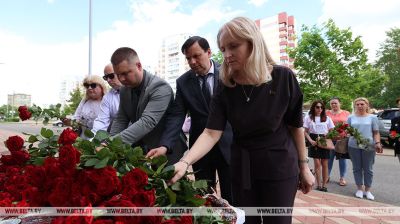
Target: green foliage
46,114
331,62
389,63
76,96
218,57
41,146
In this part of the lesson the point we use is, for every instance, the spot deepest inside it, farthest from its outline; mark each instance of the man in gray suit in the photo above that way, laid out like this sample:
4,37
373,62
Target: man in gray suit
144,99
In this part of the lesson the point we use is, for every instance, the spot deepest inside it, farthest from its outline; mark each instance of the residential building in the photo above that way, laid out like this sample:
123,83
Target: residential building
171,62
279,34
19,99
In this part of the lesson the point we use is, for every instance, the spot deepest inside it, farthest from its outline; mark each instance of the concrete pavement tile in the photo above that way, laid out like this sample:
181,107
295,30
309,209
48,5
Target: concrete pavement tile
296,221
299,201
342,203
315,220
340,220
392,222
353,219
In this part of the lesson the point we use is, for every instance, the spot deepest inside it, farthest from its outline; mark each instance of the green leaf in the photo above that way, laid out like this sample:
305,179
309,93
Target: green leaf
32,139
102,135
103,153
160,168
168,172
43,145
39,161
115,164
92,162
102,163
47,133
171,196
200,184
158,161
88,133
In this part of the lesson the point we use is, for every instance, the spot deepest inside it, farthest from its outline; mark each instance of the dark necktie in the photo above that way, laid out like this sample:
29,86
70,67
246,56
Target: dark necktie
205,88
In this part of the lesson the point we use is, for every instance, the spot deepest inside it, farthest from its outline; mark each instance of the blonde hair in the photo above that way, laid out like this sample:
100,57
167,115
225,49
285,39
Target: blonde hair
98,80
259,63
361,99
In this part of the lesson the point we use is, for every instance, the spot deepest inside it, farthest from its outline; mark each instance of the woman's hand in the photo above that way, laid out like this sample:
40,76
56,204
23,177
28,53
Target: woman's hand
180,170
313,143
378,148
306,179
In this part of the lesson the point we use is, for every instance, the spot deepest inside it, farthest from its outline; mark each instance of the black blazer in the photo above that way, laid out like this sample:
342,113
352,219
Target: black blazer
189,99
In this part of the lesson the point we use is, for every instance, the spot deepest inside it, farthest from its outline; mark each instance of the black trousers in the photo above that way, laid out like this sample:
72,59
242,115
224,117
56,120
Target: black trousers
211,163
266,193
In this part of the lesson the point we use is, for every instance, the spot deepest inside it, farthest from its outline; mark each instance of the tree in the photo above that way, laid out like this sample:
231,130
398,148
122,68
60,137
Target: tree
218,57
331,62
76,96
389,63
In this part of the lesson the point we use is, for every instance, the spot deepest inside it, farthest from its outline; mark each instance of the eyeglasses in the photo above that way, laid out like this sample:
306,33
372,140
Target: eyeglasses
108,76
318,107
91,85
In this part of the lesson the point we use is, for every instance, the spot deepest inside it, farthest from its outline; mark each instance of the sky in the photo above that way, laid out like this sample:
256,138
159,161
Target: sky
43,42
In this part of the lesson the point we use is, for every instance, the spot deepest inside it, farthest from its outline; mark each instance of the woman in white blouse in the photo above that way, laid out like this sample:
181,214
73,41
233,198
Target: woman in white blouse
318,124
89,107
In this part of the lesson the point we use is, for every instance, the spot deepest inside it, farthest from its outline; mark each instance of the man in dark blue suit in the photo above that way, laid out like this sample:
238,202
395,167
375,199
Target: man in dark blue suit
193,93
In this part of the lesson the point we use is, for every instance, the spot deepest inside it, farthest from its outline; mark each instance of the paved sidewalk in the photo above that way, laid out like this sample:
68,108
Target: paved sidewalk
330,200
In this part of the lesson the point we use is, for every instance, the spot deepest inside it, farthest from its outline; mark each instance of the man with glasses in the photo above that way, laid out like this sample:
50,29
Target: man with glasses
110,102
144,100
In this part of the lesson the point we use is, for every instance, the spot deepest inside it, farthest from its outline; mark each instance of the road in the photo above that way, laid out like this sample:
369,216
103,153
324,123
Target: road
386,183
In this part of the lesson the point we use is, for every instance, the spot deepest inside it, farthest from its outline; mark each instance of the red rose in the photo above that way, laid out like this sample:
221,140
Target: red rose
144,198
151,219
136,178
172,221
24,113
22,203
67,137
7,160
103,221
60,194
20,157
6,202
14,143
108,181
69,156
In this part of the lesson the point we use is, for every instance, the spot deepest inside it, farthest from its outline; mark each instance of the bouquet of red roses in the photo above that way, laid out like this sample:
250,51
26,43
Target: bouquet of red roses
342,130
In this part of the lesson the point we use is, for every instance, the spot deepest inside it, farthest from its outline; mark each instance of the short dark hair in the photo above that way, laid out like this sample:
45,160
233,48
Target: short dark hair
397,100
189,42
335,98
122,54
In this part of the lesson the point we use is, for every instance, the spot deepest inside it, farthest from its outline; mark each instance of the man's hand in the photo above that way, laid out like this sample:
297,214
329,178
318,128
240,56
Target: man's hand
162,150
66,121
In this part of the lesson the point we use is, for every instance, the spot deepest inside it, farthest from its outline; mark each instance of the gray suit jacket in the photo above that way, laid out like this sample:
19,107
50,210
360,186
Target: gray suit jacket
155,97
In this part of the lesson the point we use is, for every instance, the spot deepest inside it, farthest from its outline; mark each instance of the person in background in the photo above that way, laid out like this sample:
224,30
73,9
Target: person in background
89,107
338,116
144,100
263,104
316,125
194,90
363,156
110,102
395,131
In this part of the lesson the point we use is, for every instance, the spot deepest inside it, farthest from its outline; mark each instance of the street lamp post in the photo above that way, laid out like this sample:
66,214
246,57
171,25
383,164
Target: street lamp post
90,37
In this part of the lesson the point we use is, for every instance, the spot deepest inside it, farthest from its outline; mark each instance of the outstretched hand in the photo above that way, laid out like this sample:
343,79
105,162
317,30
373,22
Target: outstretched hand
156,152
180,170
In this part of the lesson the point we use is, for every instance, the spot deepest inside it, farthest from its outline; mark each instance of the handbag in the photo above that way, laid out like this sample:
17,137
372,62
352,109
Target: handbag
342,145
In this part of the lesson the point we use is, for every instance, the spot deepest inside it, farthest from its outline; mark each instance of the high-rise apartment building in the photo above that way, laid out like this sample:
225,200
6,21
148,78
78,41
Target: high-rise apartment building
171,62
66,87
19,99
278,32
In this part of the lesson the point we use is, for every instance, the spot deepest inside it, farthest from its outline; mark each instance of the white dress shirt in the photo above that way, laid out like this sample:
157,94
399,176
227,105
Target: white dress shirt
108,111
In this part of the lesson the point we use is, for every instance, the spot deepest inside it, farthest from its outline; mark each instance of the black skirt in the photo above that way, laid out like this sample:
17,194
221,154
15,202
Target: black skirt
317,152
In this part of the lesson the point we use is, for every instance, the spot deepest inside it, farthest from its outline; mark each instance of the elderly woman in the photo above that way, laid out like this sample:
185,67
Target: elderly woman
338,116
317,124
89,107
263,103
363,156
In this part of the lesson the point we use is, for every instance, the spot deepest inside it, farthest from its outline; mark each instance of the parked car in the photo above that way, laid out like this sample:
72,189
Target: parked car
58,123
384,120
